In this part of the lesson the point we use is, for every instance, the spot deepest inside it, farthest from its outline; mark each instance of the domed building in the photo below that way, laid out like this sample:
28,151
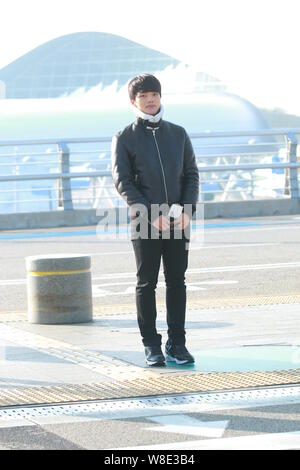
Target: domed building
84,60
76,85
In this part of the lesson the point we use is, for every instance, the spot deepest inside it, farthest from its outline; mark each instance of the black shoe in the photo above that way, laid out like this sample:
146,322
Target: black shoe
178,353
154,356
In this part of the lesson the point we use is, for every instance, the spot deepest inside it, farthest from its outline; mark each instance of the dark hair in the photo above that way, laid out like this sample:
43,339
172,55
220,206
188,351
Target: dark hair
143,83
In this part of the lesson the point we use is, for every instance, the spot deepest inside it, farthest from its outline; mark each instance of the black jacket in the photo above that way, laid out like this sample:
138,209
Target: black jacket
155,164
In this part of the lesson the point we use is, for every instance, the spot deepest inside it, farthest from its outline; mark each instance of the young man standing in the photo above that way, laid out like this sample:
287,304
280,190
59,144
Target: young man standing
155,171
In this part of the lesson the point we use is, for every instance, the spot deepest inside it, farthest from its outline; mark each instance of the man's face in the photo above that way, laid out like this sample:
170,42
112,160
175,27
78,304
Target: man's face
148,102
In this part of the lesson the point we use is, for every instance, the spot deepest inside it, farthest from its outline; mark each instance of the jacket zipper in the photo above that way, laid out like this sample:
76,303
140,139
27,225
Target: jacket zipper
161,165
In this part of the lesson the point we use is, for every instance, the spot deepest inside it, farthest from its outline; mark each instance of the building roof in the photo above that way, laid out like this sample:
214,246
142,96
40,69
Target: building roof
82,61
74,117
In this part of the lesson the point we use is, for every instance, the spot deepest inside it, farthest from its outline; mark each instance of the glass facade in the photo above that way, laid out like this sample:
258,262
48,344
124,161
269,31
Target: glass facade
60,67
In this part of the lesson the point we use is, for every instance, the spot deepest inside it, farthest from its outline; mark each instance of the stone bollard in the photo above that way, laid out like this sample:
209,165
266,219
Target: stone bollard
59,289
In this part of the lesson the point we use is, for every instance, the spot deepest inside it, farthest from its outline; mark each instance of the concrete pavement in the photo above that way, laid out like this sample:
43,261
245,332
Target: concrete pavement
242,326
38,359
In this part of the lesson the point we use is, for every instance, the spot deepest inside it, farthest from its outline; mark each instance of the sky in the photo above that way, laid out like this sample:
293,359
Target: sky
250,45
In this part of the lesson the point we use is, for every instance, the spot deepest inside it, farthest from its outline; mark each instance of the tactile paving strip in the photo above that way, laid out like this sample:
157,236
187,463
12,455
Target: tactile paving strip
151,386
105,365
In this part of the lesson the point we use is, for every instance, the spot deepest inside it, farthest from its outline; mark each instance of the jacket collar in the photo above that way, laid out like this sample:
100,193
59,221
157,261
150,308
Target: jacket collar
147,124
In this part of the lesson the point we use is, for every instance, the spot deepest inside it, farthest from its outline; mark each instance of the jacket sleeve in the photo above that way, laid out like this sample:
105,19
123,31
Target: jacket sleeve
124,178
190,193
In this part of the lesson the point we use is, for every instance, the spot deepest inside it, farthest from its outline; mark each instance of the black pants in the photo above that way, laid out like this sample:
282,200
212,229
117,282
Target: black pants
148,254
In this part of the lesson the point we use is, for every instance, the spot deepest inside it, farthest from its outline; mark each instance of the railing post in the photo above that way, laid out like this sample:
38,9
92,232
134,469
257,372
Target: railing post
292,158
64,184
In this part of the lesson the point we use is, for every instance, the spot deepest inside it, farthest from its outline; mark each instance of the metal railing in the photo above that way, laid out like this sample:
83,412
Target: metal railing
50,174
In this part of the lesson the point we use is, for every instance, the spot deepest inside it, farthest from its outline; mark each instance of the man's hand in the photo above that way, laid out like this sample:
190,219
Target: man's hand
182,221
161,223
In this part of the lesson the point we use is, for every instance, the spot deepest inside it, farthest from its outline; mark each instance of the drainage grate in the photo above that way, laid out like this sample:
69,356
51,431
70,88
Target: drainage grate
126,408
149,386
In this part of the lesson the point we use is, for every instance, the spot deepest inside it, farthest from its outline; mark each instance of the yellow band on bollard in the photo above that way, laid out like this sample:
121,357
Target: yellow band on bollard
58,273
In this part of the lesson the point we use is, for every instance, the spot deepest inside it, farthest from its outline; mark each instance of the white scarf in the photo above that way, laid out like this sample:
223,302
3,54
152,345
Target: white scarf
149,117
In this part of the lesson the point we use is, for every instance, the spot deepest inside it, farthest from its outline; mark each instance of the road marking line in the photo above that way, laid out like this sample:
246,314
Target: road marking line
193,248
184,424
131,290
99,290
261,229
217,269
12,282
124,230
246,267
213,283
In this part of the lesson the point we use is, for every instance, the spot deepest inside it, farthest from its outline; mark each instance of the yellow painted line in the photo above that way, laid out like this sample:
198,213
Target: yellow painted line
58,273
